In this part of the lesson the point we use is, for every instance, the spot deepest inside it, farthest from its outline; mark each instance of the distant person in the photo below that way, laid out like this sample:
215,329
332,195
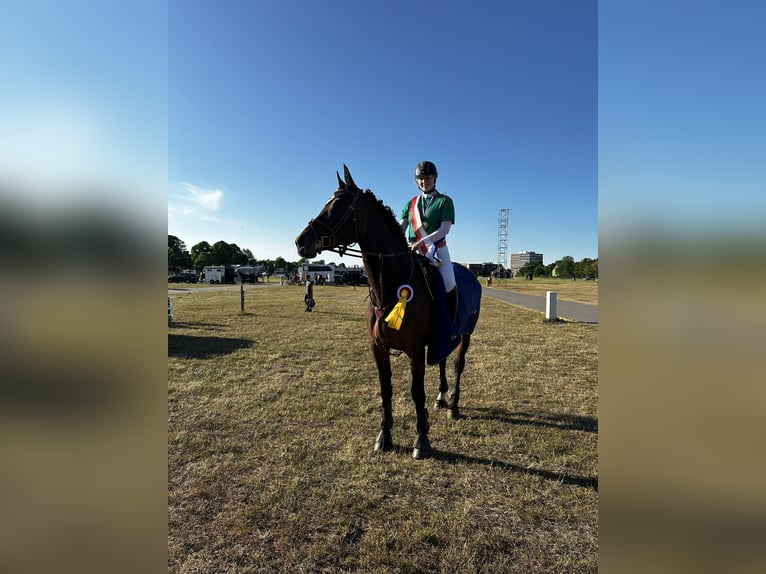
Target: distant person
426,219
308,298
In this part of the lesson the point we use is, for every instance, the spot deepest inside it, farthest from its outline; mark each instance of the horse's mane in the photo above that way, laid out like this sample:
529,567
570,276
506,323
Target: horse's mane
388,218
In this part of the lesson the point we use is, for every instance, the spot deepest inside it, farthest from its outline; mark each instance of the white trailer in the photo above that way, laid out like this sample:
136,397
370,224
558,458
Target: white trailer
213,274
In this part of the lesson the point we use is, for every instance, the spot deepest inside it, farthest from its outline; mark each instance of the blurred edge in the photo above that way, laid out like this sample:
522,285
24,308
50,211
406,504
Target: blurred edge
682,244
681,400
83,185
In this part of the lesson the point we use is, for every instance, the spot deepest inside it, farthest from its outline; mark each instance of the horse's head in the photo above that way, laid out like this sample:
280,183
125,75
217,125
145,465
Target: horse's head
334,226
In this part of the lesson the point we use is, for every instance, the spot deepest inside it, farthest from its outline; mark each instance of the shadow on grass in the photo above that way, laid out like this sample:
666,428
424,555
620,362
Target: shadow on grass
292,318
550,420
194,325
191,347
453,458
563,478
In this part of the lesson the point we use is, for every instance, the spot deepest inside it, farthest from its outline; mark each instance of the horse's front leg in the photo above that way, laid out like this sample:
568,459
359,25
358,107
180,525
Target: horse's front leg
422,448
441,398
383,362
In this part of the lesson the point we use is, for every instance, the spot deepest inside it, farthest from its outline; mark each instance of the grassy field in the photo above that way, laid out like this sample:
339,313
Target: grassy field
272,417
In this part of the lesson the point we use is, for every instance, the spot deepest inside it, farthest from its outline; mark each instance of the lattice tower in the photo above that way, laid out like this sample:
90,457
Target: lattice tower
502,238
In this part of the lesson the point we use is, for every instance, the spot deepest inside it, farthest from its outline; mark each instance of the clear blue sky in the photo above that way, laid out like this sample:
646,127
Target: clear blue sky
268,98
682,117
234,115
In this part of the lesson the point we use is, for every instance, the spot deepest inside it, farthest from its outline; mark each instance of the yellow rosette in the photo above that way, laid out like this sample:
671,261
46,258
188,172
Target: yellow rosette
396,316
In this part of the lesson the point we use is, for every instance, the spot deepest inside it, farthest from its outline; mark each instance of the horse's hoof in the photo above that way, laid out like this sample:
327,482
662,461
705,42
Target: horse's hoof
384,443
440,404
453,414
421,454
422,448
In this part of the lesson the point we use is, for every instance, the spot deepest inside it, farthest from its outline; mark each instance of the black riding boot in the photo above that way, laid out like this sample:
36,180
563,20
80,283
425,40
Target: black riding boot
452,303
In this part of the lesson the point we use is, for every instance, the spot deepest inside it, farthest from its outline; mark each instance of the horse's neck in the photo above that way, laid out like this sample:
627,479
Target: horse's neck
374,234
386,260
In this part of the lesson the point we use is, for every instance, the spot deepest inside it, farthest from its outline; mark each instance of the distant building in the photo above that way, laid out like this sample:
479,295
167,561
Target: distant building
519,260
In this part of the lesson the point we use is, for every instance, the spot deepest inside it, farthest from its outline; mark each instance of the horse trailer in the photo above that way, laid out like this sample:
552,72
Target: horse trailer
217,274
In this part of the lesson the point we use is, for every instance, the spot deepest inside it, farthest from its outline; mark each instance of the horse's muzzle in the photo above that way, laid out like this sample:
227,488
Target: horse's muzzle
307,250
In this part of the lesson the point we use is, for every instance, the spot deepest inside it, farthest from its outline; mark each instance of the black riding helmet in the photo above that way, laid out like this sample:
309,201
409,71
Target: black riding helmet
425,168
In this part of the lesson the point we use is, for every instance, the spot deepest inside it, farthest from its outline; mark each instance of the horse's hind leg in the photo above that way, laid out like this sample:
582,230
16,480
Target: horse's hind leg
384,441
441,398
453,411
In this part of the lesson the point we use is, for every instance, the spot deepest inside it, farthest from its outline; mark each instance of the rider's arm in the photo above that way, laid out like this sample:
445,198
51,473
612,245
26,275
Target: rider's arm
436,235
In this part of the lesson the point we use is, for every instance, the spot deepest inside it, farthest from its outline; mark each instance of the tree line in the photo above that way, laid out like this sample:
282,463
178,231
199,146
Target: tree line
221,253
203,254
566,267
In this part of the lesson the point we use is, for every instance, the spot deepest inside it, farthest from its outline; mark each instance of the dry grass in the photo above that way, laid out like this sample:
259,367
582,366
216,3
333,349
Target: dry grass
272,418
579,291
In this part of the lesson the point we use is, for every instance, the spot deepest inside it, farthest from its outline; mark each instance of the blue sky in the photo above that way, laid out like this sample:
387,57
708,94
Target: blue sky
682,124
83,106
227,120
268,98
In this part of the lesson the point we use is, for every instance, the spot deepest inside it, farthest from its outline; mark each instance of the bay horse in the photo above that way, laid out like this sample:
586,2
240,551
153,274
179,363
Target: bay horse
353,216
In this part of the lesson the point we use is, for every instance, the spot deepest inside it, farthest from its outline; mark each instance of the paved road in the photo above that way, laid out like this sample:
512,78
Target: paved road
579,312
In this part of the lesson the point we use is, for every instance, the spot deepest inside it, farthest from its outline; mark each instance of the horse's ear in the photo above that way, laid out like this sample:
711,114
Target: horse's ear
341,185
347,175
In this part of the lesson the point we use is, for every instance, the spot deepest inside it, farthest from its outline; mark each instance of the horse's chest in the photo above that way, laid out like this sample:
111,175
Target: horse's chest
386,337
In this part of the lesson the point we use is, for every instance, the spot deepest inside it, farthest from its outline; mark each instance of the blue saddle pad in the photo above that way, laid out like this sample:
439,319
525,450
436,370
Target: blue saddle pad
445,334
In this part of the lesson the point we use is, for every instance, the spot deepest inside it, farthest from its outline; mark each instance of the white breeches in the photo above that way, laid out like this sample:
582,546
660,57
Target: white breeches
448,273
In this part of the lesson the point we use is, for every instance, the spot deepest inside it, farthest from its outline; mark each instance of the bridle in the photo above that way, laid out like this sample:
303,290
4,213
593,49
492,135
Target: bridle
326,235
324,241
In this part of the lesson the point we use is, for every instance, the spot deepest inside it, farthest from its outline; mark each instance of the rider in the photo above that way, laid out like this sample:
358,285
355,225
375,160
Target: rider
426,220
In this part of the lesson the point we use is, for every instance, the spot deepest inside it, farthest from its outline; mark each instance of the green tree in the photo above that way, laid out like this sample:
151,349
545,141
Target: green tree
280,263
586,267
202,255
238,255
178,256
221,252
565,267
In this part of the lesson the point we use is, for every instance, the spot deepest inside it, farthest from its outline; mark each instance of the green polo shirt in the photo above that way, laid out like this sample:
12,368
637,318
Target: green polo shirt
438,210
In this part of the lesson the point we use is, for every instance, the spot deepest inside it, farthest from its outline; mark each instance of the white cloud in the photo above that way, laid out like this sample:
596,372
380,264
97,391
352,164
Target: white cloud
191,202
208,199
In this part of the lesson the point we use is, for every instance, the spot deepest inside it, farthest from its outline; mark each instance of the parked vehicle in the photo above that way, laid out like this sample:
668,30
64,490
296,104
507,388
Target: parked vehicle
183,277
249,274
351,277
217,274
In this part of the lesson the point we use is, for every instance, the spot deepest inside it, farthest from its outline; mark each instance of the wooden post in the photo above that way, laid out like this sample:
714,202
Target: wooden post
242,298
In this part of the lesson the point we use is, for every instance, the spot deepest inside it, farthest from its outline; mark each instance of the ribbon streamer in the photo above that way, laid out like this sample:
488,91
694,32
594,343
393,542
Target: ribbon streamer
396,316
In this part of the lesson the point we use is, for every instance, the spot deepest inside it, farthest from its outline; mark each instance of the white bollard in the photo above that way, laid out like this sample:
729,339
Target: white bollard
550,305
